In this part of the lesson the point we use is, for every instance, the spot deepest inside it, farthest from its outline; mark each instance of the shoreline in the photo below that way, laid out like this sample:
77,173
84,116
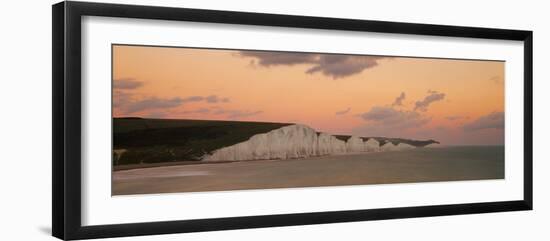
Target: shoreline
185,163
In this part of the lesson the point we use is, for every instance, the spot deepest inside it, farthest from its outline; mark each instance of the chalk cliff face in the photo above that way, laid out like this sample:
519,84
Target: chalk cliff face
297,141
372,145
404,146
388,146
287,142
355,144
328,144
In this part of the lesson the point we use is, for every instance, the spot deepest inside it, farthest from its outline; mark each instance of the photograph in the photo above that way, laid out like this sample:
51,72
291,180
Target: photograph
194,119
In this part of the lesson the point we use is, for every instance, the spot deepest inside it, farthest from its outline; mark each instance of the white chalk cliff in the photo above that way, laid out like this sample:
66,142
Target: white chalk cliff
355,144
371,145
388,146
297,141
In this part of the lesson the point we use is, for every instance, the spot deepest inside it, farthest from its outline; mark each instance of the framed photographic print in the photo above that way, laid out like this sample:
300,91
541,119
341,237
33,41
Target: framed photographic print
170,120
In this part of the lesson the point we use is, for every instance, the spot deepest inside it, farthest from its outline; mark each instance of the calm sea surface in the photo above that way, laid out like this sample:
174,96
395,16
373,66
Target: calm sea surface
417,165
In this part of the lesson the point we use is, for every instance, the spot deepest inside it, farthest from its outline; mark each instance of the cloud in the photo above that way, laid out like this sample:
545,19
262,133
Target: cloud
433,96
126,84
197,111
242,114
399,100
127,103
233,114
209,99
388,116
153,103
454,117
216,99
193,99
331,65
156,114
494,120
390,122
121,98
267,58
343,112
340,66
430,133
387,121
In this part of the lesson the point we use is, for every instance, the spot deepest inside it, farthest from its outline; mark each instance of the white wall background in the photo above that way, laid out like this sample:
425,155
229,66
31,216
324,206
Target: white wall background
25,119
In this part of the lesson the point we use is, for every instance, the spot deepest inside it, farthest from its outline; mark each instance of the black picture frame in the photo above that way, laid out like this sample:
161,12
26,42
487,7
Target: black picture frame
66,75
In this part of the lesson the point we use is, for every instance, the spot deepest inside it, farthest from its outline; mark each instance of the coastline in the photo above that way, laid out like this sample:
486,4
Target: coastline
185,163
117,168
408,166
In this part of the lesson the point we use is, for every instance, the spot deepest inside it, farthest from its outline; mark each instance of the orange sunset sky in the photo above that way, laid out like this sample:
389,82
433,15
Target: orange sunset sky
457,102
